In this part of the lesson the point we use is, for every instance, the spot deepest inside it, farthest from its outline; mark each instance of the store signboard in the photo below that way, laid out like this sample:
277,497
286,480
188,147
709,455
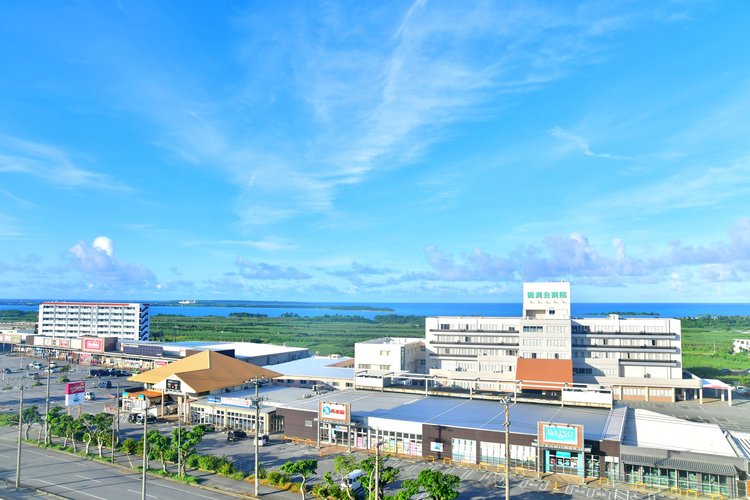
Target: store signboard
74,393
436,447
47,341
560,435
214,399
245,403
64,343
92,345
336,412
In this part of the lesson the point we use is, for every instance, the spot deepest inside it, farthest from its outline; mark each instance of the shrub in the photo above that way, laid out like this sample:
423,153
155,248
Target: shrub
209,462
192,461
227,469
238,476
276,478
36,384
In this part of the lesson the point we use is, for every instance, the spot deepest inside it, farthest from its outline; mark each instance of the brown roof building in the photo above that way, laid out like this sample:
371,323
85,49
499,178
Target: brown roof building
207,372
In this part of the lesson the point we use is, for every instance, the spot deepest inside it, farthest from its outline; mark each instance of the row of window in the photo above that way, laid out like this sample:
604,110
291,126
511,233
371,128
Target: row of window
623,342
607,372
545,355
653,356
452,339
461,351
474,327
614,329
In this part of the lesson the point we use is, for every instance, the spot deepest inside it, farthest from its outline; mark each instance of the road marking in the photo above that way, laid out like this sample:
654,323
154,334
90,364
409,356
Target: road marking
69,489
184,491
4,456
48,456
88,478
138,492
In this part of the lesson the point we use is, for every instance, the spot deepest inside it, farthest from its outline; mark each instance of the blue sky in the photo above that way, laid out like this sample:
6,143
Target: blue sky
381,151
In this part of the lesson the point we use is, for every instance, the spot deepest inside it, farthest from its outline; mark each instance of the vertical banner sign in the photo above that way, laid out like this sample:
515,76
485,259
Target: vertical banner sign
74,393
334,412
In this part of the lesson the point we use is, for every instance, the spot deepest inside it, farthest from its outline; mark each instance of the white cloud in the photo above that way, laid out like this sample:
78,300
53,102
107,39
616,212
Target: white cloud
97,260
581,144
263,271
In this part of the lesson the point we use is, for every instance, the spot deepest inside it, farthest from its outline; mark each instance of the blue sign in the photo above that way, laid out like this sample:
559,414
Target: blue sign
214,399
562,454
561,435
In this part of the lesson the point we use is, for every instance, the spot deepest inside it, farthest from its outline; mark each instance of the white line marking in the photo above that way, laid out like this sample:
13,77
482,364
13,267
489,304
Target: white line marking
138,492
185,491
88,478
69,489
45,455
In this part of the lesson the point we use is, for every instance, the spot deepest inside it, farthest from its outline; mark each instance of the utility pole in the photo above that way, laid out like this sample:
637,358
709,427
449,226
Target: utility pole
46,405
117,402
506,402
179,435
145,452
377,465
256,403
20,425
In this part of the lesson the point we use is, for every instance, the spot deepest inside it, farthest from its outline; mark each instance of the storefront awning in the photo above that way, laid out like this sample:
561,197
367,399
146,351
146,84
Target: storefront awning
678,463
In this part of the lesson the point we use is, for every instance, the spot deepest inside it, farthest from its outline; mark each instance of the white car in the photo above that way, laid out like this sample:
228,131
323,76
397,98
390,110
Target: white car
89,396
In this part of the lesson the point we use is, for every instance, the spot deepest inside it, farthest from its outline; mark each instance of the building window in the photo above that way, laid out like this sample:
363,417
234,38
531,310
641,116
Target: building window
308,423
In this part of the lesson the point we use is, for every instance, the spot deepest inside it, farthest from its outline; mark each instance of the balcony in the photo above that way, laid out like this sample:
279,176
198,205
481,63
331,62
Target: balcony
504,332
627,348
648,362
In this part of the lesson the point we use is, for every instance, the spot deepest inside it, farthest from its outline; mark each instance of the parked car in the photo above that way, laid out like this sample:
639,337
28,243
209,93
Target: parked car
236,435
149,418
89,396
37,365
105,384
53,364
5,370
33,375
209,427
353,480
726,370
262,439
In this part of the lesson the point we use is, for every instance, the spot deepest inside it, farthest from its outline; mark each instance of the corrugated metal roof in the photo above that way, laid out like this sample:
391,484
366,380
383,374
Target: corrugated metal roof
315,366
678,463
458,412
742,440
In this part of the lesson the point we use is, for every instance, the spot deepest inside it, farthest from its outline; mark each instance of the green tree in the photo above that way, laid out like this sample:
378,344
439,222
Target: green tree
386,475
439,486
185,441
53,418
29,417
160,445
103,433
304,468
129,447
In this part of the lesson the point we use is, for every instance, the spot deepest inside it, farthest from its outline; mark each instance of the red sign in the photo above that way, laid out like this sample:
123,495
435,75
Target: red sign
161,363
64,343
75,387
92,345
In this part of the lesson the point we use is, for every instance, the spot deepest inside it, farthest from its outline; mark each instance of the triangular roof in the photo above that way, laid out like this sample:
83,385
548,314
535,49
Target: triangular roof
206,371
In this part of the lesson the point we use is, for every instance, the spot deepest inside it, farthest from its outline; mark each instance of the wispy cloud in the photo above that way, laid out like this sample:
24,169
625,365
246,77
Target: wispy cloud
263,271
582,145
50,164
267,244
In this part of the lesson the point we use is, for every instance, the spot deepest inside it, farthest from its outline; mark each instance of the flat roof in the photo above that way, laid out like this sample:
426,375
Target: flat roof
315,366
250,349
393,340
648,429
466,413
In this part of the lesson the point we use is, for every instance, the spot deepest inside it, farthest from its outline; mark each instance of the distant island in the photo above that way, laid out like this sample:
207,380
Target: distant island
270,306
622,313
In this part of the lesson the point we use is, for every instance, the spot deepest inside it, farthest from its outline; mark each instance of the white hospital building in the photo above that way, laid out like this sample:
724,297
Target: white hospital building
639,358
89,319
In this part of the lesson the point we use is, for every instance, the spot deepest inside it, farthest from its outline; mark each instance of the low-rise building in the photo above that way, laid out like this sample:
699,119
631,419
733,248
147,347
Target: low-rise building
391,354
741,345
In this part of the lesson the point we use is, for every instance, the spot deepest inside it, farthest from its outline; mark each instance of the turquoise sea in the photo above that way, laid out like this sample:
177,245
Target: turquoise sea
671,310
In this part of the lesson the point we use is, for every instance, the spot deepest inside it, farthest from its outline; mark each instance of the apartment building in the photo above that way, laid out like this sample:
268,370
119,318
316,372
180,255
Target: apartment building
391,354
641,358
89,319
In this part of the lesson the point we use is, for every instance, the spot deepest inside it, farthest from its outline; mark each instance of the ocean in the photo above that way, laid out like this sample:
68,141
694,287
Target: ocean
671,310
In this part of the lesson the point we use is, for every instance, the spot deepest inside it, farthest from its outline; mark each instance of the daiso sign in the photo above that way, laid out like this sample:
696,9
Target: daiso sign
92,345
337,412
